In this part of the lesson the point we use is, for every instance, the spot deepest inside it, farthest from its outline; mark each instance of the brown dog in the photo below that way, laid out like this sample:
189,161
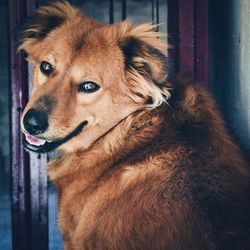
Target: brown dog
146,164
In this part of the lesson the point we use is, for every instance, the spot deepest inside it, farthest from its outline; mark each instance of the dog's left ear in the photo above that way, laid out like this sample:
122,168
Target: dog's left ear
46,19
145,62
143,50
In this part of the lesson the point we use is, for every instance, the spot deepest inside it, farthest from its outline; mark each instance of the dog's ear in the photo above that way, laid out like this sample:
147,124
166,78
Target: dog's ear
145,61
143,51
47,18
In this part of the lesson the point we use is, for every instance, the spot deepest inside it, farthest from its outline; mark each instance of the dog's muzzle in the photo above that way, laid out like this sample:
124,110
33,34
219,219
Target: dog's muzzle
40,145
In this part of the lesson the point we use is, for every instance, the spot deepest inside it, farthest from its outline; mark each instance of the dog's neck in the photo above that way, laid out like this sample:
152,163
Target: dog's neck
137,129
134,135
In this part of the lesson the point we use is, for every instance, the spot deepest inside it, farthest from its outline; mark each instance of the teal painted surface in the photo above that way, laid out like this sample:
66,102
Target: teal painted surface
55,238
229,57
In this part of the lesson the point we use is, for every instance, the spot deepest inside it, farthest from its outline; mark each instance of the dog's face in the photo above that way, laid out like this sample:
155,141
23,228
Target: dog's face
87,77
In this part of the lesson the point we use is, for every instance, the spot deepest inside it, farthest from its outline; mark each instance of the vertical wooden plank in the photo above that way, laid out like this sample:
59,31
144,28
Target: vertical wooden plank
111,11
39,202
173,36
186,37
19,158
157,13
38,175
201,41
124,9
29,185
188,34
153,10
39,194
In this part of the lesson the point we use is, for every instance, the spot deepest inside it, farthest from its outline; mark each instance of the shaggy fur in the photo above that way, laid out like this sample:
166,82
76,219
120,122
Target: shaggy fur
161,174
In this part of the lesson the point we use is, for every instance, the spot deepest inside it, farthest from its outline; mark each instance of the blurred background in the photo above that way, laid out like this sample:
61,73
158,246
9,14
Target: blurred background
211,43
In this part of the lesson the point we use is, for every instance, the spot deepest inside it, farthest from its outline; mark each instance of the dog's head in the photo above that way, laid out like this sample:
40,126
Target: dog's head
87,76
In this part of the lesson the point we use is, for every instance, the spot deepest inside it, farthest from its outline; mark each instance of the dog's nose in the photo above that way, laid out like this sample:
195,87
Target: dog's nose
35,121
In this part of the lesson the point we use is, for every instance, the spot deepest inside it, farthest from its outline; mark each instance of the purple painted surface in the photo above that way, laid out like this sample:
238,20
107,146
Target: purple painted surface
188,36
38,177
29,179
19,158
201,41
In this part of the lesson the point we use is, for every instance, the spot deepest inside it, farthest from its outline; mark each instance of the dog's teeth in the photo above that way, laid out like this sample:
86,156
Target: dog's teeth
34,140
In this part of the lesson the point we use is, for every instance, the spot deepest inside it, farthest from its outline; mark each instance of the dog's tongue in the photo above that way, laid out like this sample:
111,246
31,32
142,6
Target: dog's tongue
34,140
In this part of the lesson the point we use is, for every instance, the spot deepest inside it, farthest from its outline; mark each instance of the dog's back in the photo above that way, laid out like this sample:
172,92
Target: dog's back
171,178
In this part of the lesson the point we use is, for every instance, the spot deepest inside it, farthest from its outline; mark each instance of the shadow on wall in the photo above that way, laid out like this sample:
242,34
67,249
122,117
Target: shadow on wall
229,35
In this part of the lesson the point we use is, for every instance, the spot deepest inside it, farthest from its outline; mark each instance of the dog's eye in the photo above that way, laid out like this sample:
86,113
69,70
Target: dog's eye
46,68
88,87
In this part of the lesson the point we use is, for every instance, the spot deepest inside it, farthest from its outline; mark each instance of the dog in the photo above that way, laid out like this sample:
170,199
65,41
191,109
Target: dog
146,162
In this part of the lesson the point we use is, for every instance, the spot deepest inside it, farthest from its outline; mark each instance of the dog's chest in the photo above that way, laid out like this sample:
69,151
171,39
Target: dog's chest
82,203
106,208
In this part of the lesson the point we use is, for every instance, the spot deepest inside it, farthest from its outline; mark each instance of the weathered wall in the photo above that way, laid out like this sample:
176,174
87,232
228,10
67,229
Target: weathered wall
229,33
243,108
5,205
4,94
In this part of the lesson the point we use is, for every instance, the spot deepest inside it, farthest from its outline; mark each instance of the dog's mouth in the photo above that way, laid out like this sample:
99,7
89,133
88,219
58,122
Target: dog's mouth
38,145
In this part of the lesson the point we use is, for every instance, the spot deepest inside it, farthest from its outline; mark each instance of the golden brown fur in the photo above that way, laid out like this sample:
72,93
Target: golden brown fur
155,167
